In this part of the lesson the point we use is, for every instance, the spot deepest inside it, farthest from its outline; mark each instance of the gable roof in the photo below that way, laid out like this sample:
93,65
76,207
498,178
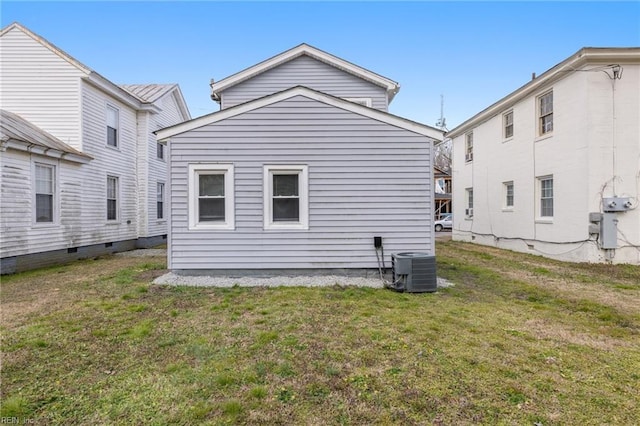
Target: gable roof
90,75
20,134
385,117
151,93
605,56
390,86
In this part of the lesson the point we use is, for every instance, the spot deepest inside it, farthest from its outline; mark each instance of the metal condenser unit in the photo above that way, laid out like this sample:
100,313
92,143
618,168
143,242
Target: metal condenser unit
414,272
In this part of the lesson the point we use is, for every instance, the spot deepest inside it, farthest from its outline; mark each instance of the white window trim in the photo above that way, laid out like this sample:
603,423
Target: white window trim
118,199
504,126
362,101
539,217
303,188
468,153
505,191
539,133
106,142
164,151
56,192
164,202
195,170
468,210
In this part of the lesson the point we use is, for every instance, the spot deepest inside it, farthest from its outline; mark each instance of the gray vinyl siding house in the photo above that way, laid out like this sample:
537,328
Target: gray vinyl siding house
354,172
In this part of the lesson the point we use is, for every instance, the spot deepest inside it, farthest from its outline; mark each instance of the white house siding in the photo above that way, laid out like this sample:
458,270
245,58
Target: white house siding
49,99
366,179
144,155
120,162
309,72
20,234
579,156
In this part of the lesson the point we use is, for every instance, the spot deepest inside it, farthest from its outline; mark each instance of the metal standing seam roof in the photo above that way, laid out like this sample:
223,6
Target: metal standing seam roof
148,93
14,127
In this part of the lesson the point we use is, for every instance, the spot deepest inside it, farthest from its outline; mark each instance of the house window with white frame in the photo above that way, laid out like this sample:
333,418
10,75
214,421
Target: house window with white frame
113,126
160,151
211,196
508,124
468,157
546,196
160,201
45,192
469,210
508,195
286,197
545,111
112,198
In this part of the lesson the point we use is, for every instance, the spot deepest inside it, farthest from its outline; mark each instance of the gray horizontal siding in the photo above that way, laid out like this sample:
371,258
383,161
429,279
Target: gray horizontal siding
374,180
309,72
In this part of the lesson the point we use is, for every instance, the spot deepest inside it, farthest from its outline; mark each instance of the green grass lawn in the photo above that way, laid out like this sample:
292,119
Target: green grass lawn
518,340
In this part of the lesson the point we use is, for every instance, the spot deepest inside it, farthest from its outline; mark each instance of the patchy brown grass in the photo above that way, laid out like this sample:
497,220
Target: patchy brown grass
518,340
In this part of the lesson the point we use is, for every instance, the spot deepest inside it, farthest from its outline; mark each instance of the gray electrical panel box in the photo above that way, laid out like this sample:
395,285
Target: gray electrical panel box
609,231
616,204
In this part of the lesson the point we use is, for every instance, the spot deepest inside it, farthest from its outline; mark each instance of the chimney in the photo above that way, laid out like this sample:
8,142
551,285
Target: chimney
533,76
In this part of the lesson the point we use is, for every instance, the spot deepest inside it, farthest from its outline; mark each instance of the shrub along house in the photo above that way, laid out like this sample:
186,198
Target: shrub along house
299,170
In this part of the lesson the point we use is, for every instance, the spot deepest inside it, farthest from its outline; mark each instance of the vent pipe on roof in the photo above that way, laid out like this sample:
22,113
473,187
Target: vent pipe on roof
533,76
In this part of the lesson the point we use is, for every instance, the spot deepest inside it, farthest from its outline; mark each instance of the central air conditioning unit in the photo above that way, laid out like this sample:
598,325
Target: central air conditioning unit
414,272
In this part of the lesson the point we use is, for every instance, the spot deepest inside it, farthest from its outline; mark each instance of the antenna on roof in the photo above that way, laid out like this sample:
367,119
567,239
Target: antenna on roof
442,122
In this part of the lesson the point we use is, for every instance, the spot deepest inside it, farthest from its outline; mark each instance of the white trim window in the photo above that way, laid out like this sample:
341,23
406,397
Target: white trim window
286,197
160,200
113,126
507,124
545,185
468,147
469,198
545,111
45,187
112,197
160,151
362,101
508,194
211,196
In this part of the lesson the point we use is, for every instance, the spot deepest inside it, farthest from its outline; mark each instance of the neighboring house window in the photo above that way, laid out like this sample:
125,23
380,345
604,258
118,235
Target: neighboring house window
468,147
469,210
545,109
112,198
361,101
508,125
546,196
45,192
211,196
113,126
160,201
508,194
160,151
286,197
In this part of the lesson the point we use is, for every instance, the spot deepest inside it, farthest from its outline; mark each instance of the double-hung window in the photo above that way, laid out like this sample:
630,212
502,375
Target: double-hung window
468,156
546,196
469,210
45,193
508,195
160,151
160,201
113,126
545,111
211,196
507,120
112,198
286,197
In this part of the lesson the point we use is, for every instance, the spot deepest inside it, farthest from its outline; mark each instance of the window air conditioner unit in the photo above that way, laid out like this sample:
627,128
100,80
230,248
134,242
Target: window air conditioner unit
469,212
414,272
468,157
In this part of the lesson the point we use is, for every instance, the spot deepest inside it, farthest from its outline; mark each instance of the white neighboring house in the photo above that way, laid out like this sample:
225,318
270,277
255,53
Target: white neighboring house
81,170
554,167
300,169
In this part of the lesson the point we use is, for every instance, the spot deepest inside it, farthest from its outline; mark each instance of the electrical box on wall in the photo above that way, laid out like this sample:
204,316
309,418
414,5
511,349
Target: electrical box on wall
609,231
616,204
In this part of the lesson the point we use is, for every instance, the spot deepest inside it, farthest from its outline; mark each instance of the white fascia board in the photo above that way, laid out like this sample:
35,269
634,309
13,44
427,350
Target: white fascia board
563,69
118,93
391,86
19,145
375,114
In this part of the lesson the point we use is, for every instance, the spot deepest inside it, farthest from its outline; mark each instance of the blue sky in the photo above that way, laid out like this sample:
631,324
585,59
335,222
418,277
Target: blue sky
473,53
